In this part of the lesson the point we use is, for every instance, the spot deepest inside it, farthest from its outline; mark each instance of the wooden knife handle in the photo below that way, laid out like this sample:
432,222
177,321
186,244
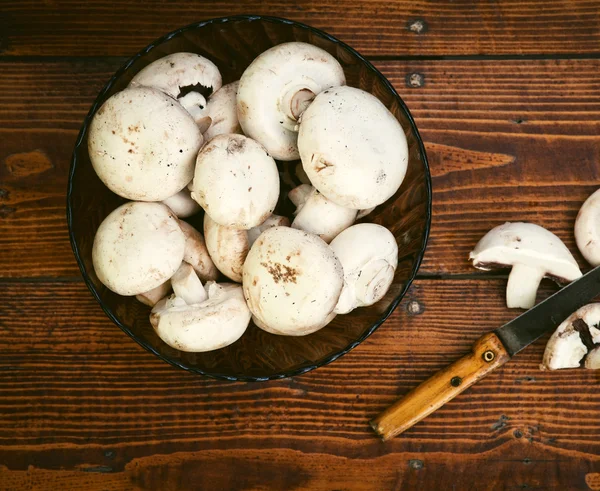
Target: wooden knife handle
487,354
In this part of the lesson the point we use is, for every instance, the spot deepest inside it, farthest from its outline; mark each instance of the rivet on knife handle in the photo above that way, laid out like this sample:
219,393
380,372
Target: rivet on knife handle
487,354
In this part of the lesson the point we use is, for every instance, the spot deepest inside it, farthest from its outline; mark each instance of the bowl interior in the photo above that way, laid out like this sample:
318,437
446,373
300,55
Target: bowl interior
232,44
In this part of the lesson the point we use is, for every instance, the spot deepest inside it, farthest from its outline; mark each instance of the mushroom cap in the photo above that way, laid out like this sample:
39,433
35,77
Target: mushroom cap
353,149
369,255
179,74
571,341
222,110
196,253
318,215
236,181
143,144
525,243
215,323
292,281
268,93
592,360
227,246
587,229
137,248
182,204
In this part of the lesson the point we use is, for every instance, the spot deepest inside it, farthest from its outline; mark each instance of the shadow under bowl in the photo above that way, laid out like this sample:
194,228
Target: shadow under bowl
232,43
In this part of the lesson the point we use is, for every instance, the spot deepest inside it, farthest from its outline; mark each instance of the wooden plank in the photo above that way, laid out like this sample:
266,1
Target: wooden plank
375,28
83,405
507,141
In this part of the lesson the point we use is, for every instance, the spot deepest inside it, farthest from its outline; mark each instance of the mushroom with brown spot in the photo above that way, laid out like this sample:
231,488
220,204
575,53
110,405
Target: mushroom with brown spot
277,87
228,247
532,252
292,281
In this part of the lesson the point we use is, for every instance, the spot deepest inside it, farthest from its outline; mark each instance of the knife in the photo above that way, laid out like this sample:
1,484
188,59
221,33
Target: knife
489,352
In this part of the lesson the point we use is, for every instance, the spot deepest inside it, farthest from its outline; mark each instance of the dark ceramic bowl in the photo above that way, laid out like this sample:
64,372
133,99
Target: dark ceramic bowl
232,43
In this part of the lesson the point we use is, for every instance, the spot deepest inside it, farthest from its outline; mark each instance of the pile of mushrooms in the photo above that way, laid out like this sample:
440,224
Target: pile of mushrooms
533,253
177,143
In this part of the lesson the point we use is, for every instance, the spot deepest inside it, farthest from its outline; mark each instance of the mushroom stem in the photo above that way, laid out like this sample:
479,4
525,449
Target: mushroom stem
299,101
523,283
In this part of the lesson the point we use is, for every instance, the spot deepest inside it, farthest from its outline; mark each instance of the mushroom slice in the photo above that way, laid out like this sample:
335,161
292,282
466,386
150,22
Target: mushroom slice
533,253
182,204
134,135
369,255
222,110
587,229
276,88
212,324
235,181
196,253
229,247
572,340
318,215
137,248
353,149
292,281
187,285
188,77
152,297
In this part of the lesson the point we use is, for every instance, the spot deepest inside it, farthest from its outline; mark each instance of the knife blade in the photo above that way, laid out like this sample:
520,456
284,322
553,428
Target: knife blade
491,351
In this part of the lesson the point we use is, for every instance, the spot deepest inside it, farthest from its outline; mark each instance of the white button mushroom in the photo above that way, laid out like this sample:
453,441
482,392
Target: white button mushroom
587,229
137,248
222,110
182,204
353,149
369,255
235,181
187,286
212,324
187,77
228,247
292,281
143,145
318,215
152,297
533,253
276,88
572,340
196,253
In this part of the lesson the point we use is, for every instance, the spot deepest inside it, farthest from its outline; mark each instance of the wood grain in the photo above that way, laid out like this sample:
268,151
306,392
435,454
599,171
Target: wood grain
506,140
83,405
375,28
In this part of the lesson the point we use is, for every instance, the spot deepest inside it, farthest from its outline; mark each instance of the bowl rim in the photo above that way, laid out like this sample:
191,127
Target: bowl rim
322,361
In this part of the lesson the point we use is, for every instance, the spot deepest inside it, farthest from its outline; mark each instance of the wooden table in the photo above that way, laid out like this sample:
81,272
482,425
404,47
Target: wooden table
507,96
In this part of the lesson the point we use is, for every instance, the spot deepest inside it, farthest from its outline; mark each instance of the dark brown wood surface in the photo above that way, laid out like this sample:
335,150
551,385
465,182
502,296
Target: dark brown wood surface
507,97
